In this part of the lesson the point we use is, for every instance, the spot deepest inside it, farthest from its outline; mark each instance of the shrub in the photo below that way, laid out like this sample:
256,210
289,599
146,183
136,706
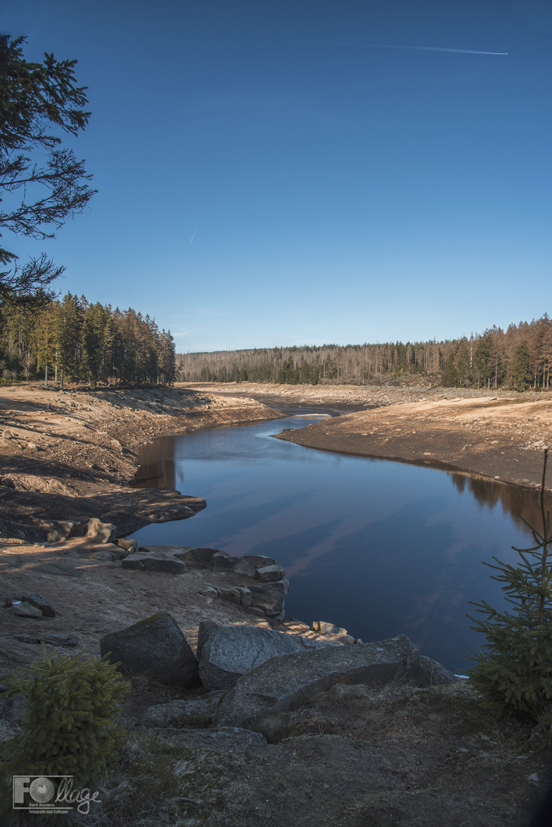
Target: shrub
69,725
514,674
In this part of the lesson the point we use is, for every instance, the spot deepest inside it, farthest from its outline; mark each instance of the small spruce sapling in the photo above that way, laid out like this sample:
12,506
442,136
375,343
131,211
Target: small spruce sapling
514,674
69,725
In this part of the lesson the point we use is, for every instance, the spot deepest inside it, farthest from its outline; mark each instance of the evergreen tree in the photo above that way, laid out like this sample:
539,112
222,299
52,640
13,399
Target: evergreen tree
515,673
36,98
522,368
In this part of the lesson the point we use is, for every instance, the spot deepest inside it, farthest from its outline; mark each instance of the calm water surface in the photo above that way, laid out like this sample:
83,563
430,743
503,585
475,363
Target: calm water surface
381,548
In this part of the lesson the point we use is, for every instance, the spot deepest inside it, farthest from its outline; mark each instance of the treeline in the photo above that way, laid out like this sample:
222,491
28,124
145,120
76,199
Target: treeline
74,340
518,358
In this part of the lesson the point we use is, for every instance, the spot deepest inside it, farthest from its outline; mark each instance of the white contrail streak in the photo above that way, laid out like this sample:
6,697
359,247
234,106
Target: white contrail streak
197,228
439,49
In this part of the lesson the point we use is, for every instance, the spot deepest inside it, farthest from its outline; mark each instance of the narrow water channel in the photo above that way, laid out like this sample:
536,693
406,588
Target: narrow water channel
380,548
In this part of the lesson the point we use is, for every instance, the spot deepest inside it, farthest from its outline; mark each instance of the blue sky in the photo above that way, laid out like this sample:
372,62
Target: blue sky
279,173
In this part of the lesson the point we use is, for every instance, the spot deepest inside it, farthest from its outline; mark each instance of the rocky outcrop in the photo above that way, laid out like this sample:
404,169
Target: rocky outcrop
231,651
154,647
262,591
197,714
283,683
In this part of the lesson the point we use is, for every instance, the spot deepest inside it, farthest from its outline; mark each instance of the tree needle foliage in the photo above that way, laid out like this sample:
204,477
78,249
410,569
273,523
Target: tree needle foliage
514,673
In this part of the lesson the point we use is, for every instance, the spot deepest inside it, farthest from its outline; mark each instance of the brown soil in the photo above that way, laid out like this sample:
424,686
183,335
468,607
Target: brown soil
73,453
349,757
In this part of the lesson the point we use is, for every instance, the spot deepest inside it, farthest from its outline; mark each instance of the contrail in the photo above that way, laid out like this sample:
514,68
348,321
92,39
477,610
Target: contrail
197,228
438,49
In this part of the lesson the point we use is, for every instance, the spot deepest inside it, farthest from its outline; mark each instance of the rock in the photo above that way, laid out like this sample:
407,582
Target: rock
221,561
154,562
98,531
436,674
61,530
269,592
31,446
206,629
267,574
157,549
127,545
198,557
7,482
26,610
61,640
27,639
155,647
103,555
231,651
40,602
232,594
59,569
258,561
208,591
5,601
283,683
328,628
196,714
241,566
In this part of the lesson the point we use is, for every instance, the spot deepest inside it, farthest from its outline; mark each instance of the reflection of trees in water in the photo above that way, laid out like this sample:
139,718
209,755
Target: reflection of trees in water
513,499
157,467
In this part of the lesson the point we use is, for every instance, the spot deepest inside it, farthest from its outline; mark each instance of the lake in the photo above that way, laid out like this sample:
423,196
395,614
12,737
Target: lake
380,548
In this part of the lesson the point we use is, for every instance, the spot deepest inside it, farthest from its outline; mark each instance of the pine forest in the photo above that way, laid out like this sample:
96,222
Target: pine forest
71,340
518,358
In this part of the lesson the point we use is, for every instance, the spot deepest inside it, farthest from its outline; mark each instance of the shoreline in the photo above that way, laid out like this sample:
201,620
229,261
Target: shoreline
497,435
73,453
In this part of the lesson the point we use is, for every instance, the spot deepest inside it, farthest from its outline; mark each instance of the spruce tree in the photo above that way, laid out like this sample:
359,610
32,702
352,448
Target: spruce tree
514,674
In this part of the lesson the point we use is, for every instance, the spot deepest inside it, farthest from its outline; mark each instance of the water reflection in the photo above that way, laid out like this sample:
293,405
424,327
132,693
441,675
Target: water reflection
381,548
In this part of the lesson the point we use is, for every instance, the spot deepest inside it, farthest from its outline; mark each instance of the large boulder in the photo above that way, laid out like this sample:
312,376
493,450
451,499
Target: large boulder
154,647
231,651
283,683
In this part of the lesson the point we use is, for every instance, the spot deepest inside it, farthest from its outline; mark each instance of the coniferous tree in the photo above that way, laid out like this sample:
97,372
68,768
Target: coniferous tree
514,674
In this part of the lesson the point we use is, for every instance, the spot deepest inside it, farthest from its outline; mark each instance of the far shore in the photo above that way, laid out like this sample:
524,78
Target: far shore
496,434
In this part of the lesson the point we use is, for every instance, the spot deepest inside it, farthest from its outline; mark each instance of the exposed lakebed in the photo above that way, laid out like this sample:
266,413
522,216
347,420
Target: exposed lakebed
381,548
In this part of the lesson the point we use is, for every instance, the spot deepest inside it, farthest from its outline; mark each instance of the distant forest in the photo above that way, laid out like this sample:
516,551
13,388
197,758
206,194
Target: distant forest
518,358
76,341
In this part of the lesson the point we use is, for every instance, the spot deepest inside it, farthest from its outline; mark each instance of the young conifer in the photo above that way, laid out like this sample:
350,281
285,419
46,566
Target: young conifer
514,674
69,725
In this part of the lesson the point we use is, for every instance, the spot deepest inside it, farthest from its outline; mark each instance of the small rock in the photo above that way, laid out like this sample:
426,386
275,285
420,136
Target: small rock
198,557
208,591
27,639
267,574
103,555
26,610
7,482
126,544
61,640
101,532
40,602
221,561
327,628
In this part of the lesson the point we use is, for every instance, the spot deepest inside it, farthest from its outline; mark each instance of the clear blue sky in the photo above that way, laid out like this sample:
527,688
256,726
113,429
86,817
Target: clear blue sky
334,187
